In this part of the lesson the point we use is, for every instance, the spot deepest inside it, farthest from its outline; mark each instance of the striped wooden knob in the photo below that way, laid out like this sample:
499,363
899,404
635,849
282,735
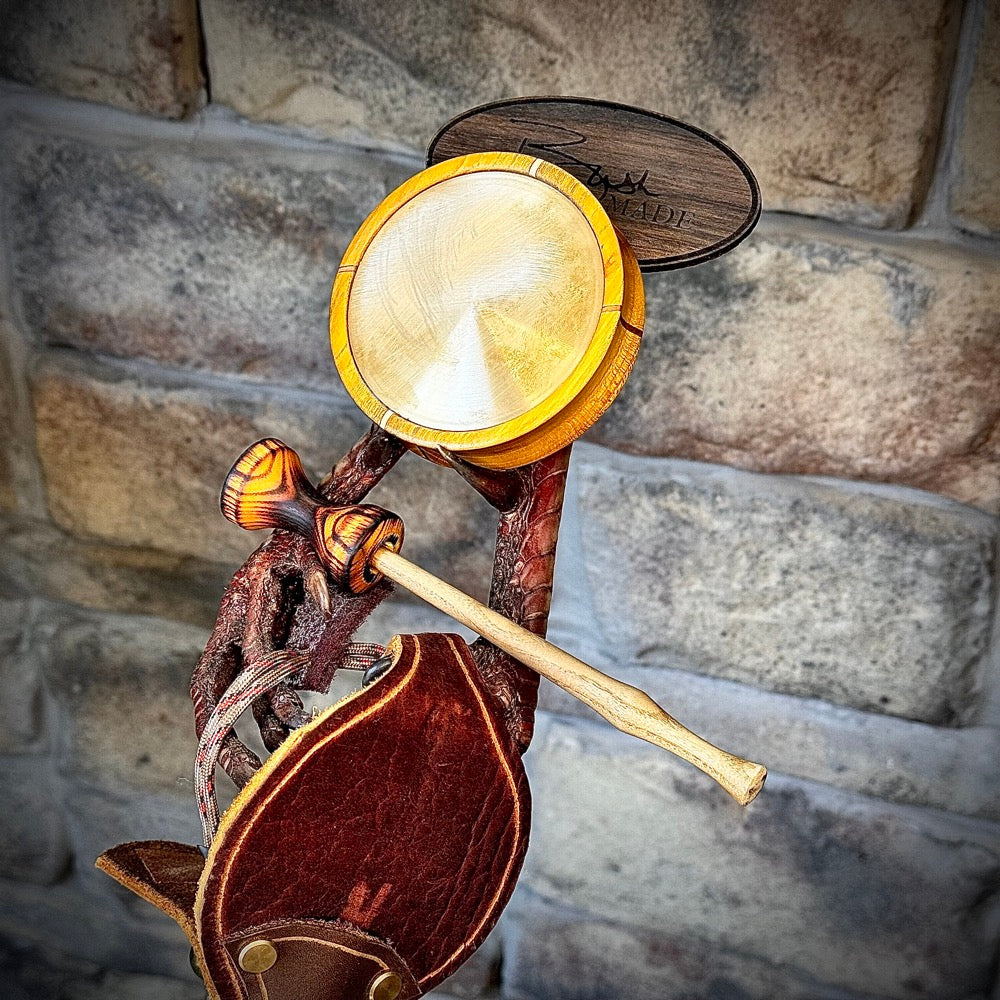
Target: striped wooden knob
268,488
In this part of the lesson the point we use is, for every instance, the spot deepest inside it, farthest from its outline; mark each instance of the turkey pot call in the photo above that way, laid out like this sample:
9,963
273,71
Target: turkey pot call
489,308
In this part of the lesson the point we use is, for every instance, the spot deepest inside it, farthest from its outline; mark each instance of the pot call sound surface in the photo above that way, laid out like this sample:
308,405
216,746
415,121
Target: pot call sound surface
487,307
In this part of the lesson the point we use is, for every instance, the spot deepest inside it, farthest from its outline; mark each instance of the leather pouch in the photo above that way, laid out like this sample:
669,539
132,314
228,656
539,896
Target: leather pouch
384,837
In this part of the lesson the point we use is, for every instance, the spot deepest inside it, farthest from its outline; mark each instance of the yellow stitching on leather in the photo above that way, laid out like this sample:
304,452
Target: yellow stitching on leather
335,944
256,781
517,815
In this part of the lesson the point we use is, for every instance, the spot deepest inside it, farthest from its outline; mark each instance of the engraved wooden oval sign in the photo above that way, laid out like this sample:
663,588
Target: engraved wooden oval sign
679,195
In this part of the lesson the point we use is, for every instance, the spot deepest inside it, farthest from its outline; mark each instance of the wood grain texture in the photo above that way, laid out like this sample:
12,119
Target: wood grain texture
509,311
268,488
679,195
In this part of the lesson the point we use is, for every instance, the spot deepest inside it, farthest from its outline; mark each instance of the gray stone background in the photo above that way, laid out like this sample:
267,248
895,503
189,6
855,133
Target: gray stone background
802,477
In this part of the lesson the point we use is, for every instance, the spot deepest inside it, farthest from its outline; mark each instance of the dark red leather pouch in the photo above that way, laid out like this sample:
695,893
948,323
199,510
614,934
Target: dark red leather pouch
384,837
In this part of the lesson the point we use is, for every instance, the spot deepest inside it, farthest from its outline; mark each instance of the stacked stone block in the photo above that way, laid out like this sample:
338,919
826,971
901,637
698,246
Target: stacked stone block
786,529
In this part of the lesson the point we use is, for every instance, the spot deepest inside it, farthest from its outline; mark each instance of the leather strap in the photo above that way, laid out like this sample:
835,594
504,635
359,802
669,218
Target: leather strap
318,959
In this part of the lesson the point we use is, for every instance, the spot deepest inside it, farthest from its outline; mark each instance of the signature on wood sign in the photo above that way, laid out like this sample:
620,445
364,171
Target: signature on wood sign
679,195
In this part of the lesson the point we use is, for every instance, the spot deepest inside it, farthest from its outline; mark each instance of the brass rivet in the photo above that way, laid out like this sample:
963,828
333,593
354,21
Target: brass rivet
385,986
257,956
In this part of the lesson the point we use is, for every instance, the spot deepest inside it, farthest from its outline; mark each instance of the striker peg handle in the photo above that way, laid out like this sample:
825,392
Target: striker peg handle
268,488
627,708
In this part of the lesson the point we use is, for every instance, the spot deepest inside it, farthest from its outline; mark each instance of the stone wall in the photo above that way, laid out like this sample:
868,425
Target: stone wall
802,477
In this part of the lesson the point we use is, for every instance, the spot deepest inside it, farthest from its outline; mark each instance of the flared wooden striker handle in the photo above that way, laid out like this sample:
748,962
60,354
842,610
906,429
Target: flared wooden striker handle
267,488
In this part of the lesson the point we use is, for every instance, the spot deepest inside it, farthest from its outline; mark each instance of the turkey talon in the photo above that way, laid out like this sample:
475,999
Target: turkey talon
287,706
319,591
238,760
280,597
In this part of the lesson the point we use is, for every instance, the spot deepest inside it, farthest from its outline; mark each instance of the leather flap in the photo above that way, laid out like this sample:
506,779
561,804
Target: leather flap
161,871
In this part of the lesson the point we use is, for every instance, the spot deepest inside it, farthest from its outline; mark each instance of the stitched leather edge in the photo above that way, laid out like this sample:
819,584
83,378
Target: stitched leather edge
243,800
